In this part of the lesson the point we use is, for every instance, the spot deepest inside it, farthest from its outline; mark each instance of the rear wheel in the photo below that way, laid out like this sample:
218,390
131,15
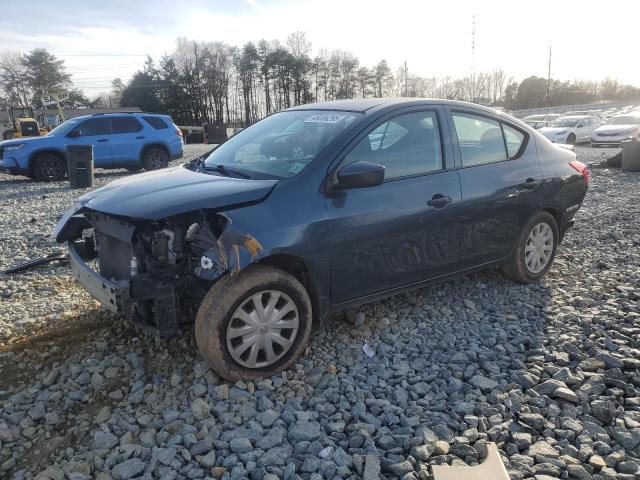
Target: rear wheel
254,323
535,250
49,168
155,158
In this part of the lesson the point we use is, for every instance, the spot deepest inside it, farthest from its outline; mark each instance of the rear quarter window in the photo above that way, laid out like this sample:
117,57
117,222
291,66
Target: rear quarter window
156,122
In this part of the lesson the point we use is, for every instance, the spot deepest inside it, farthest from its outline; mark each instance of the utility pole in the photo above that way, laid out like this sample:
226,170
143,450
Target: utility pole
473,57
549,80
406,76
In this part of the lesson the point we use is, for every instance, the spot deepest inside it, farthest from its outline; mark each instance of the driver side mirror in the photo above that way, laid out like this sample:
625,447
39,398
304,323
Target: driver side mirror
74,134
360,175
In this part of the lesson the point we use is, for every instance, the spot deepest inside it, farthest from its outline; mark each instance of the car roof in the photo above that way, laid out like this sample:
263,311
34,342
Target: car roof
118,114
362,105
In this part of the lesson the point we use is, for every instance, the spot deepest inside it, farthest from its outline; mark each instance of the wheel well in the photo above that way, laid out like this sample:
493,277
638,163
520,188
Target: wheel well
298,268
34,156
152,145
557,214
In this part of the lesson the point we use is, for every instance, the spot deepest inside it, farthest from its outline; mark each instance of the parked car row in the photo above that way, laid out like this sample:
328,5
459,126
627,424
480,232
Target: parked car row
596,128
121,140
571,129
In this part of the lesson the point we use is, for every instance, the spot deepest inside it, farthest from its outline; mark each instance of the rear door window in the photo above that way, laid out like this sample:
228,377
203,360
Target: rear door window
484,140
125,125
480,139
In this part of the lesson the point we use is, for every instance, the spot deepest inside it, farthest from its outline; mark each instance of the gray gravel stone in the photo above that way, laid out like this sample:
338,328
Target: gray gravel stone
548,370
128,469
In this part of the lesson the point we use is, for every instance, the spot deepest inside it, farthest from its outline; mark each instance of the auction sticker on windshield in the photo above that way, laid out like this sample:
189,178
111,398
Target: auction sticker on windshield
325,118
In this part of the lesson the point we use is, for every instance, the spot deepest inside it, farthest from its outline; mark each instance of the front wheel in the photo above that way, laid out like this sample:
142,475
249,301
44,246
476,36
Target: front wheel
254,323
49,168
571,139
535,250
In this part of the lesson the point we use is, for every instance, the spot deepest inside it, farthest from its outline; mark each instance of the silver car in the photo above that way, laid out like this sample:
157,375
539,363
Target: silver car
571,129
617,130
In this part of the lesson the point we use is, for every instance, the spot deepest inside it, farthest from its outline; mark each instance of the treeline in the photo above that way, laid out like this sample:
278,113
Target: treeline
204,82
213,82
534,92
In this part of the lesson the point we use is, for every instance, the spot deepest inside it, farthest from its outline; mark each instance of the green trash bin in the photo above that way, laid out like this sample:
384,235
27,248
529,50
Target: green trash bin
80,165
631,156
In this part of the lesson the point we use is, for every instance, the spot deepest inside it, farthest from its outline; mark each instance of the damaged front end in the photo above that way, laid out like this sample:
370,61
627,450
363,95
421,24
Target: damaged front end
155,273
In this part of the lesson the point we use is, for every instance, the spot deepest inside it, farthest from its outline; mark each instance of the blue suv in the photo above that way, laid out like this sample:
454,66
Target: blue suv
120,140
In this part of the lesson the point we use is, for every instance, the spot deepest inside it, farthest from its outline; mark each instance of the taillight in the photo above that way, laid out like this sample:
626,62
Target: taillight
581,168
178,132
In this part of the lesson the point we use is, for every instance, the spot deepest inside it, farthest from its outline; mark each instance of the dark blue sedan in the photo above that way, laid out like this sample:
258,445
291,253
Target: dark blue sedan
317,208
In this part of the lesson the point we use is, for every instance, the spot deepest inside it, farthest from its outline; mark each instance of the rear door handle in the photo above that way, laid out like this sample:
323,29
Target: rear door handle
439,200
140,137
532,183
102,140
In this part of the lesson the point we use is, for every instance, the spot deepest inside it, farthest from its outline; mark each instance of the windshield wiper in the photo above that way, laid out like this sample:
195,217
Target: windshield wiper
227,171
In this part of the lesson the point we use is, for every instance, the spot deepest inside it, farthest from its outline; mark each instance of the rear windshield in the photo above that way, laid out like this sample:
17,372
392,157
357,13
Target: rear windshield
156,122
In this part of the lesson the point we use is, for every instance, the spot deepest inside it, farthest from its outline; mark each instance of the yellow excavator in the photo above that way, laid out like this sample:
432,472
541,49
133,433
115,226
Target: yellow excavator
23,124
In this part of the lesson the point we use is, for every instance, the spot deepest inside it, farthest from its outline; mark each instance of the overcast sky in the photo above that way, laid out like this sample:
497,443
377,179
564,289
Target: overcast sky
101,41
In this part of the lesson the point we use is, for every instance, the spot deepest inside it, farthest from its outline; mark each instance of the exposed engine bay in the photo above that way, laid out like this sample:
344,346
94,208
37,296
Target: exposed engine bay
157,271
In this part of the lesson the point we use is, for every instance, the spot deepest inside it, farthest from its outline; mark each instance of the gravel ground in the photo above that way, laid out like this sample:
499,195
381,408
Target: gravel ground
550,372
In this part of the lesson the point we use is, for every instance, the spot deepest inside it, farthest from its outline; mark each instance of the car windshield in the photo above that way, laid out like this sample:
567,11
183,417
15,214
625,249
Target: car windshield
565,122
281,145
62,128
625,120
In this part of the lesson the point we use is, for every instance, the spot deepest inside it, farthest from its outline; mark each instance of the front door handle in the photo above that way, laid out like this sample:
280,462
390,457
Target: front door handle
101,140
532,183
439,200
141,137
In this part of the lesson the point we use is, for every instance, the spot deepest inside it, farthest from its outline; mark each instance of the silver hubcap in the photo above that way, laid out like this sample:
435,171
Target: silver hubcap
262,329
539,247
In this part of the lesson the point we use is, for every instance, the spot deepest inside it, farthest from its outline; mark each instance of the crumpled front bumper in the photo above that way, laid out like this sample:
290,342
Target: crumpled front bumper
108,293
144,300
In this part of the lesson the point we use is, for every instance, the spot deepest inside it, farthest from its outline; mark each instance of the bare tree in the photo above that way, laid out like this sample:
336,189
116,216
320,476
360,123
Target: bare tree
13,77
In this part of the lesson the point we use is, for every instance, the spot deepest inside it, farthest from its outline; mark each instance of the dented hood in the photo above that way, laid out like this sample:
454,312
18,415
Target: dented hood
163,193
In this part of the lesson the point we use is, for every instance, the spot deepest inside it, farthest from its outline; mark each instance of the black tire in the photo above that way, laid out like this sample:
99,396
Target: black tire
220,303
49,168
155,158
516,268
571,139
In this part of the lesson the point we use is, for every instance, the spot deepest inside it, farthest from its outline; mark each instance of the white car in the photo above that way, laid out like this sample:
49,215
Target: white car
571,129
617,130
